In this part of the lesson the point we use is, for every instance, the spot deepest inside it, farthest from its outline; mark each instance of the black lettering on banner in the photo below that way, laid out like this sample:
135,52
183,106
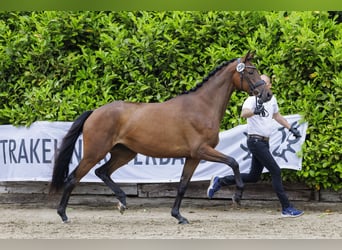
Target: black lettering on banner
22,152
285,145
154,161
164,161
147,161
136,161
3,142
46,150
33,150
12,145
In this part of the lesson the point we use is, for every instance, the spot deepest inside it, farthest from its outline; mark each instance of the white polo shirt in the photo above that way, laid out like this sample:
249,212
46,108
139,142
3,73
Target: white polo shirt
257,124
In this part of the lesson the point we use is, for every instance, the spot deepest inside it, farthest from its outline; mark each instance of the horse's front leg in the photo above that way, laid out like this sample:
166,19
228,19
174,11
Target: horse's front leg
188,170
239,183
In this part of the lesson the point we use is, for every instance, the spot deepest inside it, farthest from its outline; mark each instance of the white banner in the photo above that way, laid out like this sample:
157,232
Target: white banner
26,154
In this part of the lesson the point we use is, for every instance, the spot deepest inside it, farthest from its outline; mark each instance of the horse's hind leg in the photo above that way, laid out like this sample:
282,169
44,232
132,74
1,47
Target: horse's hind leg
120,155
69,186
81,170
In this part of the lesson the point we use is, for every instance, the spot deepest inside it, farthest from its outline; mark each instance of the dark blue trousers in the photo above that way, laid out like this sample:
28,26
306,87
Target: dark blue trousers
261,157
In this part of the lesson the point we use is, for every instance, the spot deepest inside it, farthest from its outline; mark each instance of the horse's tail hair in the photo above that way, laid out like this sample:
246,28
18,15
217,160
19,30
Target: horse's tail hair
64,153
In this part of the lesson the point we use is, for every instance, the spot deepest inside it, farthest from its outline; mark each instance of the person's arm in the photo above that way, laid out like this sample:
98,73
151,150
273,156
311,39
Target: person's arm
249,109
246,112
281,120
259,110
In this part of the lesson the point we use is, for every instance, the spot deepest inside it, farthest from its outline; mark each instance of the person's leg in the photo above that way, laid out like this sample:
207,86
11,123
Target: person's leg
253,176
261,151
263,155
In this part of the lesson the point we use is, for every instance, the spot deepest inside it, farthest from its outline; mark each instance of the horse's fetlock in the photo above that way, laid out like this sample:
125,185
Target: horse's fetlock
240,187
122,198
174,213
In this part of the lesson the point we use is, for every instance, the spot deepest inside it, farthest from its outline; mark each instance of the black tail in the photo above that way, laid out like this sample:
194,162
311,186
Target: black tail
64,154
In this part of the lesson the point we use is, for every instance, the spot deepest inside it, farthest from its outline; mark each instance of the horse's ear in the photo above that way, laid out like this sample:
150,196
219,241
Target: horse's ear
249,56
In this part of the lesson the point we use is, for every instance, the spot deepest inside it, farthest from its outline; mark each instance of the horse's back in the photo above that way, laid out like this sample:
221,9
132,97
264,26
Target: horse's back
112,116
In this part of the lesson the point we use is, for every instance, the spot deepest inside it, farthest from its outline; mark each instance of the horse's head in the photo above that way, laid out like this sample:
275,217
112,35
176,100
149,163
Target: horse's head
247,78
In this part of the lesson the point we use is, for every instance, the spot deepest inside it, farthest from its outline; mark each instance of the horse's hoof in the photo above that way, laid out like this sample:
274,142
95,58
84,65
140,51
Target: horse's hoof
183,221
66,221
236,200
121,207
63,216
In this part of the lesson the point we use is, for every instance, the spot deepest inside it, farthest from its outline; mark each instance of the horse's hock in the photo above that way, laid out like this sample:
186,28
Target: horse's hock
97,194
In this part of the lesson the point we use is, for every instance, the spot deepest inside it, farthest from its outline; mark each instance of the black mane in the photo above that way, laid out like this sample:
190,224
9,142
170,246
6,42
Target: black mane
213,72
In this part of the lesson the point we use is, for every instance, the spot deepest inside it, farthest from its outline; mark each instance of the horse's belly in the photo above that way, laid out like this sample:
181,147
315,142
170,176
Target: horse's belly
158,144
163,152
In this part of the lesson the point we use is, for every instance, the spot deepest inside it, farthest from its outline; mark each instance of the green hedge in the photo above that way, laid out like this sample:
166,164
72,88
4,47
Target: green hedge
55,65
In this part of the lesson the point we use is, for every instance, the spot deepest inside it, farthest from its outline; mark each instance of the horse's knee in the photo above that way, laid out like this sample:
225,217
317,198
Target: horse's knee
238,180
233,163
99,172
102,174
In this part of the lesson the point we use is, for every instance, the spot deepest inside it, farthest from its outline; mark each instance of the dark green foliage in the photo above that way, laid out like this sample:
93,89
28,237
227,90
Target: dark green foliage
55,65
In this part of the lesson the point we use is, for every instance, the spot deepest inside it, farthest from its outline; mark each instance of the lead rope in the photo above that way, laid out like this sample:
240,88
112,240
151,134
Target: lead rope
264,113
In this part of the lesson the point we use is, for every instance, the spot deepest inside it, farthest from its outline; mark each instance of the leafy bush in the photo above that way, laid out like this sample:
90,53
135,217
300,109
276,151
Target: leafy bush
55,65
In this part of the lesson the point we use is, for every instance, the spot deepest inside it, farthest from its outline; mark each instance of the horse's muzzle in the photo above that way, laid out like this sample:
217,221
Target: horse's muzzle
265,96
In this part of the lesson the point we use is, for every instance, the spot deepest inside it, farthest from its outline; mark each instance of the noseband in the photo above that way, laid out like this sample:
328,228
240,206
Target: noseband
241,69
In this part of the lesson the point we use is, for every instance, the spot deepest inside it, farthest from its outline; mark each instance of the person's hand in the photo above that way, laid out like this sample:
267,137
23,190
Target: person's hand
295,131
259,110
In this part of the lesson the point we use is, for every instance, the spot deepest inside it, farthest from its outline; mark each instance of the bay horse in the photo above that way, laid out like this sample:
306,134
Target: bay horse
185,126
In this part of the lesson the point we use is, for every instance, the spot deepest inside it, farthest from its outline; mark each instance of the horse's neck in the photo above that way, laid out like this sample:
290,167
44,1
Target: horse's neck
216,92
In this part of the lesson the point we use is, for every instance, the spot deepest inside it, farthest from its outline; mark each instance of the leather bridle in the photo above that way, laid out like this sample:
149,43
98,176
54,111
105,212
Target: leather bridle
241,67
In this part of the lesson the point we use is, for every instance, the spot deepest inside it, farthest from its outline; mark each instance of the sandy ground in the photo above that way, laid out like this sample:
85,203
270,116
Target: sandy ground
151,219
